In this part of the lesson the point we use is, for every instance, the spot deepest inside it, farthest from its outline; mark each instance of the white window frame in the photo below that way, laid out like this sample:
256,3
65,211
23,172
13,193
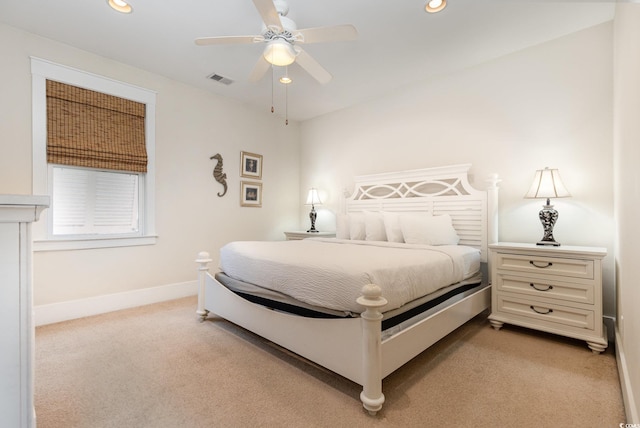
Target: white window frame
41,70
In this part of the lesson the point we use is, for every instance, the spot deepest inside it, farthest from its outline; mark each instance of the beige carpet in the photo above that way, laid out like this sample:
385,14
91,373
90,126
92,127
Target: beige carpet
157,366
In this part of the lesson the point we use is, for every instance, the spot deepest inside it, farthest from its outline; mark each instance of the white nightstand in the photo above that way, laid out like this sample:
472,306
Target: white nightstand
552,289
295,235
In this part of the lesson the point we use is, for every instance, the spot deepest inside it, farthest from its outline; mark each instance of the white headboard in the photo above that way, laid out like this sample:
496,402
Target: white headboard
438,191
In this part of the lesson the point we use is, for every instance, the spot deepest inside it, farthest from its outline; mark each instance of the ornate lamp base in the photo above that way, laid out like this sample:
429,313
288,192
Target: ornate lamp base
312,217
548,243
548,217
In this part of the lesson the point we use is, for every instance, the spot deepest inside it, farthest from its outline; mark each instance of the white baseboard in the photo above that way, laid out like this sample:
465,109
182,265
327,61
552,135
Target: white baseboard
631,411
64,311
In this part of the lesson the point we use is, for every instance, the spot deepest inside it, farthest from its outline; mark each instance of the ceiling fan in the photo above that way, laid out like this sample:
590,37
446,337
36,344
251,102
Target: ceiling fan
282,38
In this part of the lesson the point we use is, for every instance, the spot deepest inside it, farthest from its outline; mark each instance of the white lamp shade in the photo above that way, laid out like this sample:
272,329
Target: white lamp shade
279,52
313,198
547,184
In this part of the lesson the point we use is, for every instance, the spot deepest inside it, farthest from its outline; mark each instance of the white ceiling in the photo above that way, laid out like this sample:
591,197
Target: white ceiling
398,43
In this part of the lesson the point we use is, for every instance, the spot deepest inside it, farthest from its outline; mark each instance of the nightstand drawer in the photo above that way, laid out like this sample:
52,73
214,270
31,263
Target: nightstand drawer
572,317
575,268
550,288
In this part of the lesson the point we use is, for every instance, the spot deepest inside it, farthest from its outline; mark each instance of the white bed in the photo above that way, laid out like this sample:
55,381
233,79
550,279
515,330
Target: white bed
356,346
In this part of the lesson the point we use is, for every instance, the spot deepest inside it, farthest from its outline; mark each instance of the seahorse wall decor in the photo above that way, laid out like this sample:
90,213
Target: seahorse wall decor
220,176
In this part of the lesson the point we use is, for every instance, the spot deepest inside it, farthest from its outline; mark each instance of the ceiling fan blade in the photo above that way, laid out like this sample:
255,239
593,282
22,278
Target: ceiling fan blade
312,66
336,33
259,69
227,40
269,14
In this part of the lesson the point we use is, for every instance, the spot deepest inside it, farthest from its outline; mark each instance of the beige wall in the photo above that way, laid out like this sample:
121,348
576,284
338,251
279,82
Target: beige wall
548,105
627,191
191,127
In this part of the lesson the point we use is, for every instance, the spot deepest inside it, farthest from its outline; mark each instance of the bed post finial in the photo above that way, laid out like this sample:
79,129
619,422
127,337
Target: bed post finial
203,260
371,396
492,214
492,207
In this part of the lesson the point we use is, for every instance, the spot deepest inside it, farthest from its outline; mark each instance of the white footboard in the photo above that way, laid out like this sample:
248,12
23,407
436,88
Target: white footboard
350,347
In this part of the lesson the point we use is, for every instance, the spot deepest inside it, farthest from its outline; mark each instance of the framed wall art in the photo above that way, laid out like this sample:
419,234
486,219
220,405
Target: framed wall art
250,194
250,165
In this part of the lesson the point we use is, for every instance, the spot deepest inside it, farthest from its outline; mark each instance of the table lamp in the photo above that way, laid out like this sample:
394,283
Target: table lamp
313,199
546,185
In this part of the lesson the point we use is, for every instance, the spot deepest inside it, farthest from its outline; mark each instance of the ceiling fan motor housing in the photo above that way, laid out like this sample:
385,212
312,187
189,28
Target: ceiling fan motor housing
288,28
281,7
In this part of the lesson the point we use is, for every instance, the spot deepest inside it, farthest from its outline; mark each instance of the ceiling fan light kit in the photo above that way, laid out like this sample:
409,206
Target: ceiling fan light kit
279,52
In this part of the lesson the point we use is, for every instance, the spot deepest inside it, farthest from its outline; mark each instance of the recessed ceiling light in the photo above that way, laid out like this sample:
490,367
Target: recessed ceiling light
434,6
285,80
120,5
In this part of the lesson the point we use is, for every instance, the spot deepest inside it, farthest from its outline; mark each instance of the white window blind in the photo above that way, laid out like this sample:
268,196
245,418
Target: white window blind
94,202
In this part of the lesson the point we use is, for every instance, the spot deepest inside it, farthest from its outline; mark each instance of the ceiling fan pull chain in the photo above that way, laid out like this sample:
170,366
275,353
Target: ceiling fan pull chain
272,109
286,104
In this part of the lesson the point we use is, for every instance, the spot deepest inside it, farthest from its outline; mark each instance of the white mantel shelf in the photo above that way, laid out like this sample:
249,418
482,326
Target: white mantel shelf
17,212
21,208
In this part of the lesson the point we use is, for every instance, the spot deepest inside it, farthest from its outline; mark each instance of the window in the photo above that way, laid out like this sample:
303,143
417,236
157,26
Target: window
100,177
92,202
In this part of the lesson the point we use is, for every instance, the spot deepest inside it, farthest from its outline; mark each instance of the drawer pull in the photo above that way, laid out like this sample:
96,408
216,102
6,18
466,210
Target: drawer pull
549,287
542,313
540,266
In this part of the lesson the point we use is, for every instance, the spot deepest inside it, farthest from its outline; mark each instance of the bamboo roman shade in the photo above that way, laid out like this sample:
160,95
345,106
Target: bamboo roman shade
91,129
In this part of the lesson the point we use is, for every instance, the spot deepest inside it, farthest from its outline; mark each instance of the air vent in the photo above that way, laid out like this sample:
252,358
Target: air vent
221,79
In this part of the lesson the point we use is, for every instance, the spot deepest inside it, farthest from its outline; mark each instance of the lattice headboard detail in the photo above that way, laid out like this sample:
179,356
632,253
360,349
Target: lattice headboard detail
437,191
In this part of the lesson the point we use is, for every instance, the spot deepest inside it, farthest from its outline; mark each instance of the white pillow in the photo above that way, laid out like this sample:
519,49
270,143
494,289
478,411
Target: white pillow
342,227
429,230
392,227
374,226
357,228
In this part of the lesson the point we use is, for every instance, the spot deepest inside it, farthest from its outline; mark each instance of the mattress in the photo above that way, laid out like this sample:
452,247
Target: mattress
413,310
329,273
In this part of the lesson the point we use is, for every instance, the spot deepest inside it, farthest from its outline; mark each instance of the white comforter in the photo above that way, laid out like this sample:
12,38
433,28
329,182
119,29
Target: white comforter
331,272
